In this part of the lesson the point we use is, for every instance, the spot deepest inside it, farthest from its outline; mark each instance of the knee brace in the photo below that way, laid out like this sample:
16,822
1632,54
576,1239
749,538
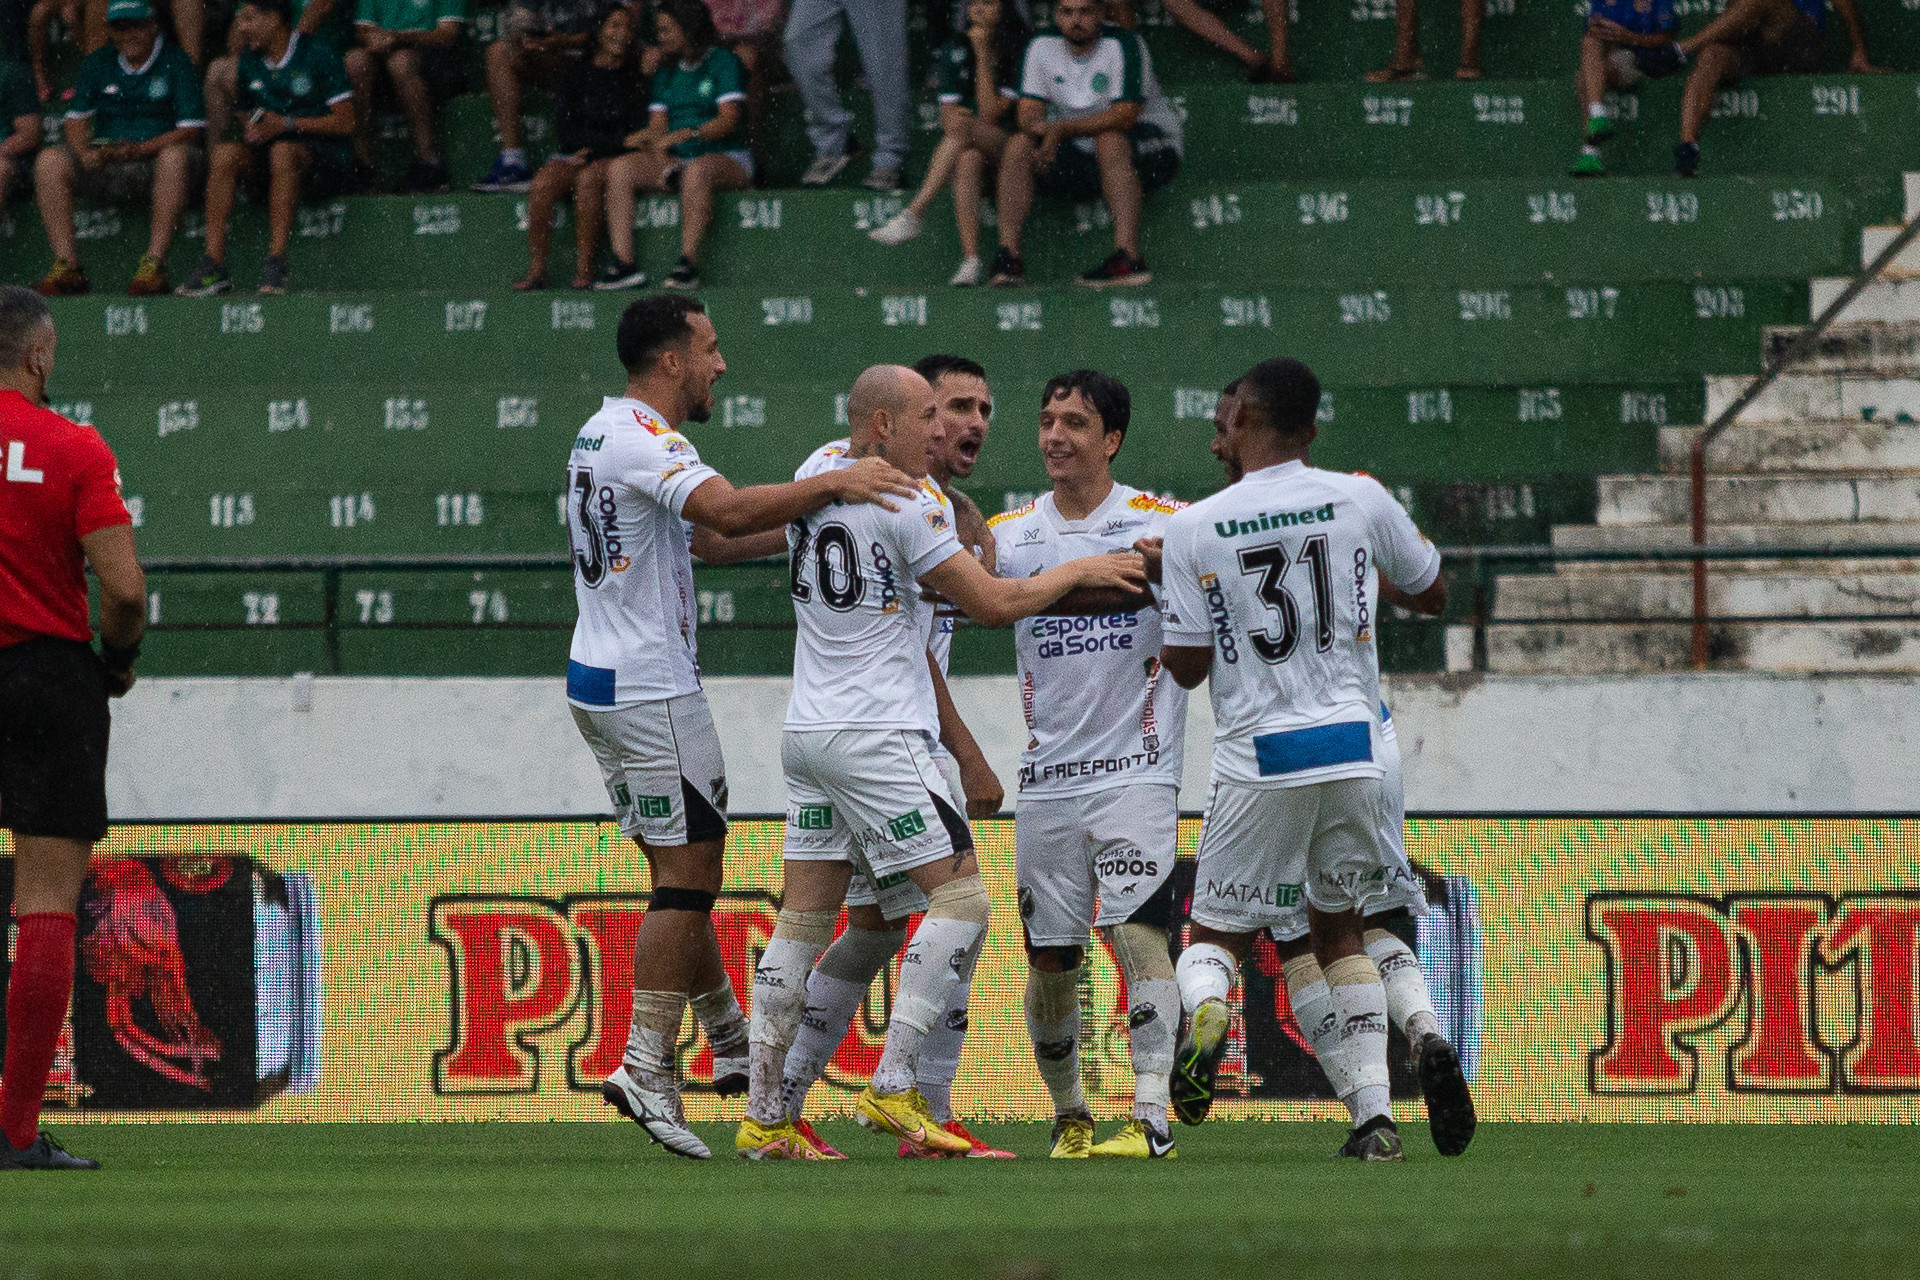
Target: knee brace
670,898
859,954
962,900
812,927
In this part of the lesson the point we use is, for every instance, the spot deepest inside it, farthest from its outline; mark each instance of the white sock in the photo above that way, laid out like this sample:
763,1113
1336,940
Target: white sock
835,989
653,1037
943,947
1152,1026
1409,1004
1052,1007
1597,111
940,1053
1360,1017
726,1026
513,155
1312,1001
1205,972
779,999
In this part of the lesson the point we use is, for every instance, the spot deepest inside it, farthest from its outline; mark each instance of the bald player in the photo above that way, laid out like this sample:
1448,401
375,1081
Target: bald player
863,793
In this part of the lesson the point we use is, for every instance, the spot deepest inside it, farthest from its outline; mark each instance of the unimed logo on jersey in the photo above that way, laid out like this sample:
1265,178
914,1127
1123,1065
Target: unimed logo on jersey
1826,987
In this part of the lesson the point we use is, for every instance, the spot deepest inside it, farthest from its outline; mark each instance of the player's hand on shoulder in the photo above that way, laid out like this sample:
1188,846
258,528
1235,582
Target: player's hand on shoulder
873,480
1118,571
1150,549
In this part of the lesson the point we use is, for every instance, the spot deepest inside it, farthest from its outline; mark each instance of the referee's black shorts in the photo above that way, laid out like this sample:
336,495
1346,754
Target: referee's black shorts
53,740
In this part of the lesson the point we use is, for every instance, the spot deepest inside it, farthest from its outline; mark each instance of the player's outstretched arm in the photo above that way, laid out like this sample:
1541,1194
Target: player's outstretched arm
1000,602
1187,664
716,548
718,506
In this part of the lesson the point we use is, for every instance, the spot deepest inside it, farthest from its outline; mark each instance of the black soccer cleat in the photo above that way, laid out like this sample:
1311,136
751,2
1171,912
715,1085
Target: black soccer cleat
45,1153
1197,1060
1375,1141
1450,1114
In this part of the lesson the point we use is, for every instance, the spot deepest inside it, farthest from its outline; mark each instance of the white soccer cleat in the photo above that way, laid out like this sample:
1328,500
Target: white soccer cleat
900,228
970,274
659,1113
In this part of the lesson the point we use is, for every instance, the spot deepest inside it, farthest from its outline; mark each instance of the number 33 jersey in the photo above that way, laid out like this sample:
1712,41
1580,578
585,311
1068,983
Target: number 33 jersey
1100,710
1275,574
860,655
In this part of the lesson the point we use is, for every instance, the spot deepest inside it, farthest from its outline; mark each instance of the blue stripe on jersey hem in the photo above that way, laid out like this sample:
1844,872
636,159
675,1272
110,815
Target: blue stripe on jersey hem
591,685
1385,715
1315,748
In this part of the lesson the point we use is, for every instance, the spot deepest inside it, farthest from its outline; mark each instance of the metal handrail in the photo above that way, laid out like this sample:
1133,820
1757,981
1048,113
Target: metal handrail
1795,351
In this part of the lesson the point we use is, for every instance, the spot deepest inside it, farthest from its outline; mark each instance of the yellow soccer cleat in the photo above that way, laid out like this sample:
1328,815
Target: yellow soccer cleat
1072,1138
782,1141
1136,1142
907,1117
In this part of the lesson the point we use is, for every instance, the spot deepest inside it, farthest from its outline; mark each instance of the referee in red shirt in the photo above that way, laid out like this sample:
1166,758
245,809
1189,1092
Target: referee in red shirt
60,509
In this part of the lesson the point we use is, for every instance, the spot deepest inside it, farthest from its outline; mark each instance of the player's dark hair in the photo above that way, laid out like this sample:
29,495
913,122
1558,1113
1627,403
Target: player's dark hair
695,22
22,312
933,367
1232,388
1284,393
1108,396
650,325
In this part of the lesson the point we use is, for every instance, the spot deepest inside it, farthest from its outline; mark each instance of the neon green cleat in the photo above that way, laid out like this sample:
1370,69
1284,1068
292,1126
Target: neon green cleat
782,1141
1136,1142
907,1117
1589,165
1197,1059
1072,1138
1599,129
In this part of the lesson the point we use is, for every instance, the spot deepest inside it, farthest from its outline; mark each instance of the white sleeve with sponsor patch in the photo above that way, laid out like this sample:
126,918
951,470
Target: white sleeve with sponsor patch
1275,573
860,655
628,477
1100,711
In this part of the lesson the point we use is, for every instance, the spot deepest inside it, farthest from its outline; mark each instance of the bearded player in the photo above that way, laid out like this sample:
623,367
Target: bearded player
863,793
1095,829
635,484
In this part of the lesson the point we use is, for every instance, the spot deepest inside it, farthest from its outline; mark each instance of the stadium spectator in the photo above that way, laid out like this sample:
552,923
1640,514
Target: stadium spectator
880,32
329,21
1756,38
72,15
1625,42
60,510
693,143
595,106
19,127
979,87
416,41
297,139
751,28
1275,66
1092,122
135,125
542,43
1406,43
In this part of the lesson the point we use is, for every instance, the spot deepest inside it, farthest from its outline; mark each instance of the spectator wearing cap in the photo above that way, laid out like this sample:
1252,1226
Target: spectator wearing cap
19,127
979,77
416,42
299,110
542,43
693,143
1756,38
1626,41
1092,123
134,128
880,33
327,21
595,107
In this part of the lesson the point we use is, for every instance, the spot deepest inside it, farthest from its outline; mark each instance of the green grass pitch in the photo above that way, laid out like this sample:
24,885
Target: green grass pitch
1242,1199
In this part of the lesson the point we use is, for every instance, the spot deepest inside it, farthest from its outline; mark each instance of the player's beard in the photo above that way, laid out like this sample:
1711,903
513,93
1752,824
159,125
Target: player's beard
700,409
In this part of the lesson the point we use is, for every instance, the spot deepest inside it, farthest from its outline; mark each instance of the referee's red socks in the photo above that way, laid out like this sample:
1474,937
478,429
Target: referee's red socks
38,992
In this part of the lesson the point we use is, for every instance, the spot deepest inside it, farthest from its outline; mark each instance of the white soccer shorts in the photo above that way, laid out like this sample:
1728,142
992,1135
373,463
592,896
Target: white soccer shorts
899,897
871,798
662,768
1262,849
1402,889
1115,846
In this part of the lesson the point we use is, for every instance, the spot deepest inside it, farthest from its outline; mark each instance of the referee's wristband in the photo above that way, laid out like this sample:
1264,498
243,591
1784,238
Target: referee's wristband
115,658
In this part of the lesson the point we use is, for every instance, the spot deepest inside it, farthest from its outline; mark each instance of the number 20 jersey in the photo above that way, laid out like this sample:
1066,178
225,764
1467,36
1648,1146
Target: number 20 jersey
1100,710
1275,574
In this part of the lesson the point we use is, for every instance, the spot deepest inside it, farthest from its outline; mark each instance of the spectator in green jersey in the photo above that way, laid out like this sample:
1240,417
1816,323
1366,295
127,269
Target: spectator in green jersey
19,127
417,42
694,143
329,21
595,108
299,111
134,128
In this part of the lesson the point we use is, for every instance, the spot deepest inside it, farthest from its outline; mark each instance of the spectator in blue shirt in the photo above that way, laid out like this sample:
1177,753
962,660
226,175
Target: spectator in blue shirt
1625,42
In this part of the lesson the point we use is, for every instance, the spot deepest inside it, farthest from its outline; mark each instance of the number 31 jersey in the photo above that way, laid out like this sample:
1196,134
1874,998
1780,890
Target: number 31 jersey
860,655
1100,710
1275,574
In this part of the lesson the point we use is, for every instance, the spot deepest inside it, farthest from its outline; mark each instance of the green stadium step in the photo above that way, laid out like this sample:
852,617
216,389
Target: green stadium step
1476,233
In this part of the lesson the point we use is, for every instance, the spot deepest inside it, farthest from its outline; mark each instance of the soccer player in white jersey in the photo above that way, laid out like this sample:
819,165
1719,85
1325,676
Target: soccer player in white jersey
963,411
1097,819
862,792
1450,1113
1268,589
633,679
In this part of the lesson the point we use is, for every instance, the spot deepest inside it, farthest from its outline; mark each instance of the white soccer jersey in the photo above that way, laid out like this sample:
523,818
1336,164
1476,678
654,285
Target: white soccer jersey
860,658
1100,710
627,479
1117,69
1275,574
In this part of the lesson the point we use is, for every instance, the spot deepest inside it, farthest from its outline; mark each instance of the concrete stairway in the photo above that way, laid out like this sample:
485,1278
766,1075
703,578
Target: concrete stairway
1829,456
